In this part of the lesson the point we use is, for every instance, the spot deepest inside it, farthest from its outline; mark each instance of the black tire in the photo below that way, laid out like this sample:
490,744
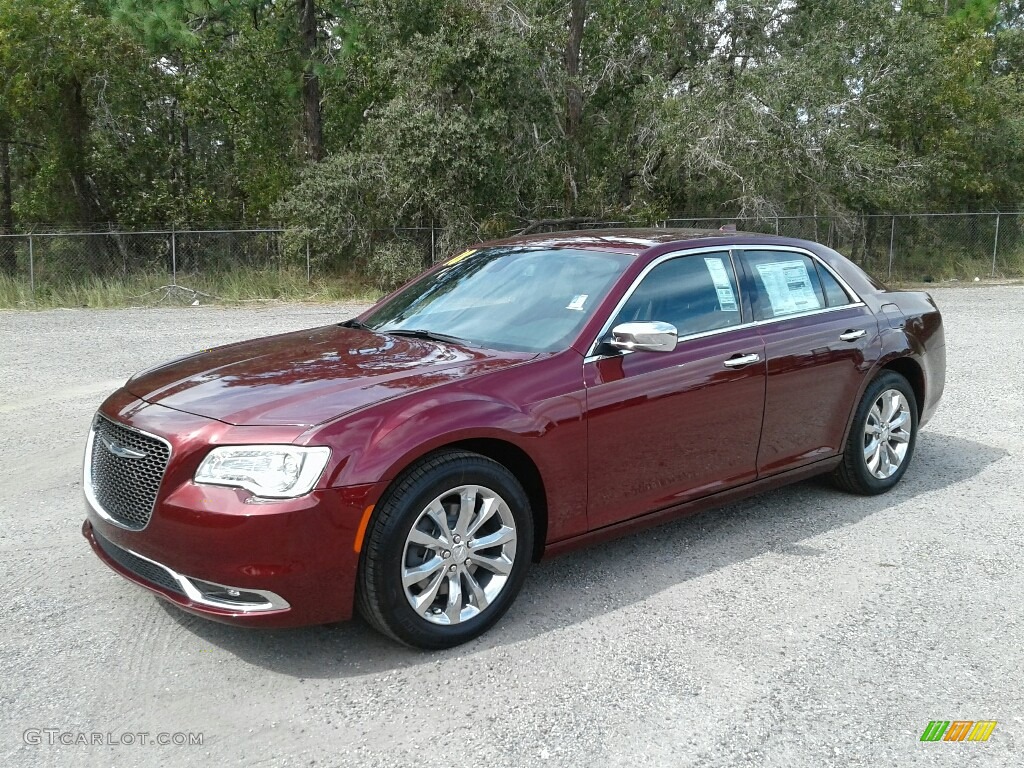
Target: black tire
852,474
381,596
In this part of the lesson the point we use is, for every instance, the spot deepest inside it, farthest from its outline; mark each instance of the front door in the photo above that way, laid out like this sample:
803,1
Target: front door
667,427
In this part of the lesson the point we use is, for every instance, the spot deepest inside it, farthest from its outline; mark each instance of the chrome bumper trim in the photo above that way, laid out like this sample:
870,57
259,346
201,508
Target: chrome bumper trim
271,601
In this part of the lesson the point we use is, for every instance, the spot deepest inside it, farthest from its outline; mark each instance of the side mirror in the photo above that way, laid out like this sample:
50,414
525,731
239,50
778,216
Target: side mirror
645,337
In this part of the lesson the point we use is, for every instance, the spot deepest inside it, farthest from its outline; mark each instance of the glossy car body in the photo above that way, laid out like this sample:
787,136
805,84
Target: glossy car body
602,441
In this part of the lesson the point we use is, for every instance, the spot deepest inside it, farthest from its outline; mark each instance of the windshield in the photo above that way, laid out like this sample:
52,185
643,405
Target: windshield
514,298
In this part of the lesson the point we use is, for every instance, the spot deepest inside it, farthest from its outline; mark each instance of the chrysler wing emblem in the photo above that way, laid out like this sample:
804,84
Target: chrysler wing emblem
121,451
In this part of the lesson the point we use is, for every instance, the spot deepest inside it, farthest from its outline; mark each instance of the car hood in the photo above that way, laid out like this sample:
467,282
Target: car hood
308,377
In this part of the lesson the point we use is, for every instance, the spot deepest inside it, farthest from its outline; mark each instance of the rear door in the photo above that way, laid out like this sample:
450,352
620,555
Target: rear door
819,341
666,427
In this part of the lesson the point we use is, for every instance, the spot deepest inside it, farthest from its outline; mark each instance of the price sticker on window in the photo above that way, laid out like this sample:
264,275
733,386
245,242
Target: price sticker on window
789,288
723,285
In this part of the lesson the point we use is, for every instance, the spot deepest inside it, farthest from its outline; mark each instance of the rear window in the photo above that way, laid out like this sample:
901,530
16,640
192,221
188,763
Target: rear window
835,296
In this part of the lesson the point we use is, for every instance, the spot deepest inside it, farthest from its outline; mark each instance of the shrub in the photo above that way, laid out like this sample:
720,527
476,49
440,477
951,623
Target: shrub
392,264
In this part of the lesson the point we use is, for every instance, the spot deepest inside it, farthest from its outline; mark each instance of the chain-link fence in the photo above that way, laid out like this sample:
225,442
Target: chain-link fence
65,268
74,268
34,266
905,247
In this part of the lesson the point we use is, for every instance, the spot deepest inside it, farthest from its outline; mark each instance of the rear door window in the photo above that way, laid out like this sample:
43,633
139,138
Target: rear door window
783,283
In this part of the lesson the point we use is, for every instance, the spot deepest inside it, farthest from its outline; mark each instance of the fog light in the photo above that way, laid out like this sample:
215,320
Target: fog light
233,596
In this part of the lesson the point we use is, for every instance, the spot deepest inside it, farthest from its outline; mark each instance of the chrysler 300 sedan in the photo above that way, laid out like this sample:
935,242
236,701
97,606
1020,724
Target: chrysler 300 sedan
523,398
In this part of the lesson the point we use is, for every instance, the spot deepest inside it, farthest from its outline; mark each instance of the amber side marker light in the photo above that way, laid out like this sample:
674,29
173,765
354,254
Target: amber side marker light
357,545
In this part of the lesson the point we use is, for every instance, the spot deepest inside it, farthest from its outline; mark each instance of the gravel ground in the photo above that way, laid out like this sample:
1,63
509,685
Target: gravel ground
800,628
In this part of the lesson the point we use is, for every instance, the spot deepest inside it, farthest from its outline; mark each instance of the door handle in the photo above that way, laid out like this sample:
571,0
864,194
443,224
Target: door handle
739,362
853,335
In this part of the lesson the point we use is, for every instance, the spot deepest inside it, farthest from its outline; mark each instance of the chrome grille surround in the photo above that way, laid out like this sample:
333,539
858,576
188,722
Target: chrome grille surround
123,490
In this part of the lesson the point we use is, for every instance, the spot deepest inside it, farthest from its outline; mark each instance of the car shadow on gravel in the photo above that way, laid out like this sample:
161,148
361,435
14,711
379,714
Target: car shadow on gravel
575,587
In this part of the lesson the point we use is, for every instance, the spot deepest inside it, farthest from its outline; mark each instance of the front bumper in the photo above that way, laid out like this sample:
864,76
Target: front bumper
283,564
292,561
220,598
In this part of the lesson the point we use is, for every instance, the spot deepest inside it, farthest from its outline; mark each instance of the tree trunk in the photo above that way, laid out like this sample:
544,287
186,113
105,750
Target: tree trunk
574,102
185,147
8,262
76,122
180,162
76,132
312,122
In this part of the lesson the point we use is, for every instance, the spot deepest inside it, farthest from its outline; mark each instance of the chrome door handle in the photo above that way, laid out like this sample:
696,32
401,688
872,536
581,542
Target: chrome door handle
853,335
739,362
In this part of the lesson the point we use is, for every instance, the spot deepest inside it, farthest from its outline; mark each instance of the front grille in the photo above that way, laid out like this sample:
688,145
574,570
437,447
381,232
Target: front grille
145,570
125,487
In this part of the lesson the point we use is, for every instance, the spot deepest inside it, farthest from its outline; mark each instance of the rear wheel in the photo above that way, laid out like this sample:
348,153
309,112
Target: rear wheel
882,437
447,551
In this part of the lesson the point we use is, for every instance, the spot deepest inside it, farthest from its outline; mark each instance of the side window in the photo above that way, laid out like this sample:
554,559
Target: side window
784,283
695,293
835,296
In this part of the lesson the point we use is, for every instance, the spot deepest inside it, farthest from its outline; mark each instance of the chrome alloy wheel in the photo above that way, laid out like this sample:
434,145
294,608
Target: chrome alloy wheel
887,434
459,554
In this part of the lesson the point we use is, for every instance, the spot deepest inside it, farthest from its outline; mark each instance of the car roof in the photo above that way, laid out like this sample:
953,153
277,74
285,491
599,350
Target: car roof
631,241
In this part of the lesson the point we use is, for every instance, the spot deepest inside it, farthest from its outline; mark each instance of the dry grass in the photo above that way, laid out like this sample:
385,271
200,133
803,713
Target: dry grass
147,290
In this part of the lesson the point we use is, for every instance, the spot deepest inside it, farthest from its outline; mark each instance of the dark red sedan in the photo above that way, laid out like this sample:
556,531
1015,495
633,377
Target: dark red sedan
523,398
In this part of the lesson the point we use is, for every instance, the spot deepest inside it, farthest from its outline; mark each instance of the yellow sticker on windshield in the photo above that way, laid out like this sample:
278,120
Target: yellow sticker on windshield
460,257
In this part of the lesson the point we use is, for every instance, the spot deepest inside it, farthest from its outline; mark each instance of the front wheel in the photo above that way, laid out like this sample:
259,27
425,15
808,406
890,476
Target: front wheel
882,437
446,552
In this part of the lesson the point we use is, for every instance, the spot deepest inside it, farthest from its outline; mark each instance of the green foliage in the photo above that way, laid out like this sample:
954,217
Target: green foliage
393,264
479,117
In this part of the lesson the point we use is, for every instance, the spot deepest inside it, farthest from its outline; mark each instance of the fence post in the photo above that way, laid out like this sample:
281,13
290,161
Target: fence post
995,247
776,225
892,245
433,245
174,257
307,261
31,269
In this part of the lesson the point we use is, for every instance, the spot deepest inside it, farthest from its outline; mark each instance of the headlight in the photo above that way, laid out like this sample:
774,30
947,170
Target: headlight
271,471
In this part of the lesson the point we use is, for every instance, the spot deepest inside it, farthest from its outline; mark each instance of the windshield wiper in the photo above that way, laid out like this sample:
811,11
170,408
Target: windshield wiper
422,333
415,333
353,323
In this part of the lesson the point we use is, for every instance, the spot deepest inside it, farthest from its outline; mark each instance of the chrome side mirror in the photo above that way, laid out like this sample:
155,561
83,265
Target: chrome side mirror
645,337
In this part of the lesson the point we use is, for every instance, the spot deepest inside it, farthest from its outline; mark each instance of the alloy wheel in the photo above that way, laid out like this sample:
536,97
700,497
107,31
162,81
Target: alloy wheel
459,554
887,434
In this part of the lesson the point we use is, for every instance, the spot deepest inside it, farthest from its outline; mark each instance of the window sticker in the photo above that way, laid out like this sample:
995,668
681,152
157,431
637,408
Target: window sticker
578,301
720,277
789,287
460,257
